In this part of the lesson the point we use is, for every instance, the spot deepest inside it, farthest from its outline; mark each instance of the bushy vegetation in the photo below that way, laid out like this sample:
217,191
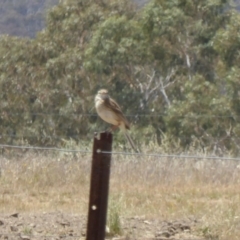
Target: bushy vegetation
173,65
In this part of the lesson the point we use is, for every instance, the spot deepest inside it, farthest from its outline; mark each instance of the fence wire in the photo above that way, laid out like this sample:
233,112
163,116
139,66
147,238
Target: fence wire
157,156
139,154
44,148
137,114
60,137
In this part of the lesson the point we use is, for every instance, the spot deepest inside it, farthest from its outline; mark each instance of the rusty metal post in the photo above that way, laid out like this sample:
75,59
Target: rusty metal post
99,185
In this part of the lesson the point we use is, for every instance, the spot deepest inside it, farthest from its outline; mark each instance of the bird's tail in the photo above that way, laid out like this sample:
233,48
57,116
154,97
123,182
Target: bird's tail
130,141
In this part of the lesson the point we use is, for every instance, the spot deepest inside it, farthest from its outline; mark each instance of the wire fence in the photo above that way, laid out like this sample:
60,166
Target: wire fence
73,136
139,154
11,136
148,172
137,114
57,135
43,148
19,137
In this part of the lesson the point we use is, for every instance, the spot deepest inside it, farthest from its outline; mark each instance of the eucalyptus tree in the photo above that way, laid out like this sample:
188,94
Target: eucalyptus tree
45,83
164,59
172,64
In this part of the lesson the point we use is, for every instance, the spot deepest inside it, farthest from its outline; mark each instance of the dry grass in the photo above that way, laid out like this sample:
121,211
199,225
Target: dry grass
162,188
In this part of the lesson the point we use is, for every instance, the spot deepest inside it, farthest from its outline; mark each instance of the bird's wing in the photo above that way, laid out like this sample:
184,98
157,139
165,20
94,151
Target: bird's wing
111,104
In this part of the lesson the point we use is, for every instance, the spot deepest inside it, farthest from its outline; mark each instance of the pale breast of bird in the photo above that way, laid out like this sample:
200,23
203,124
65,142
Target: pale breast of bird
107,115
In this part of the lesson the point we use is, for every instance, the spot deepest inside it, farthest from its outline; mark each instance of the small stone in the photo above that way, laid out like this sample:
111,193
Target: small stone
185,228
64,223
13,228
147,222
32,225
25,237
14,215
83,232
163,234
61,236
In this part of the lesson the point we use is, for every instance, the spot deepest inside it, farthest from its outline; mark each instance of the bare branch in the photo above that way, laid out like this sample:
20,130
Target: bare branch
164,93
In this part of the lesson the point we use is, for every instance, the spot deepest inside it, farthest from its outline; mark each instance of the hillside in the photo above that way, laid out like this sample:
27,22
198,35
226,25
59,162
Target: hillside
23,17
26,17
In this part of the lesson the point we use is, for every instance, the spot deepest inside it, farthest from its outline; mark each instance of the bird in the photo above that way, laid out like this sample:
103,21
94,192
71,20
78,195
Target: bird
110,112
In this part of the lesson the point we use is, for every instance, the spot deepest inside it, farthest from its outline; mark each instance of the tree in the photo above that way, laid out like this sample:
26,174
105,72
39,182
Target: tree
168,55
173,64
57,89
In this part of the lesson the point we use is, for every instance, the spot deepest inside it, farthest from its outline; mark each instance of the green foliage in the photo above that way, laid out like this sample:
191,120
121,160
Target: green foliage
202,115
174,65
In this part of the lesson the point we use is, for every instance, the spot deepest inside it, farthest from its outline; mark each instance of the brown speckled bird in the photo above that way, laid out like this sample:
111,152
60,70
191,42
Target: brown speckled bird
109,111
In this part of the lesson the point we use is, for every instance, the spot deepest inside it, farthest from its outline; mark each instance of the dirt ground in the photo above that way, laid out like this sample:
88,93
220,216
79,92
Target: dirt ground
58,225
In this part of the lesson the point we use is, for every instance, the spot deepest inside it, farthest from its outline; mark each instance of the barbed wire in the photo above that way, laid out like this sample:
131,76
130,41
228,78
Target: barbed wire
140,154
39,136
36,136
44,148
75,136
172,156
127,115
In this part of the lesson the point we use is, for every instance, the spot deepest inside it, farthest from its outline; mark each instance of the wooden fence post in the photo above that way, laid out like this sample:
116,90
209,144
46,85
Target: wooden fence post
99,185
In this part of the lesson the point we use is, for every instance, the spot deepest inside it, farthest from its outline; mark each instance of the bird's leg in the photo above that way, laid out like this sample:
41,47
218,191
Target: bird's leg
112,128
